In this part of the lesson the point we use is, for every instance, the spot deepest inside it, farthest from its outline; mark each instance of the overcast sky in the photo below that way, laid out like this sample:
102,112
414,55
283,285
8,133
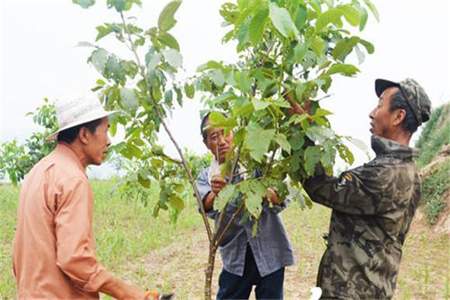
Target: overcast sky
38,58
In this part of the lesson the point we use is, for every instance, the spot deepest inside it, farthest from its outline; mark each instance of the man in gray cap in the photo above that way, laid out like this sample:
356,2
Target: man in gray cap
373,205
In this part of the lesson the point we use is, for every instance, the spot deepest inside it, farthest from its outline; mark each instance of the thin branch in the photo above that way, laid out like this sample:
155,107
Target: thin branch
222,215
228,225
180,153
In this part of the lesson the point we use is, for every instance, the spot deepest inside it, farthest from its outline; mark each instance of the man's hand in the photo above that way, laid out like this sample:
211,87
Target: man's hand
121,290
272,197
152,295
217,184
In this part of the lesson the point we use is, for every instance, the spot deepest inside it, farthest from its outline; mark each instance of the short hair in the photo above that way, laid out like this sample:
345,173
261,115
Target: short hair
398,101
70,134
203,126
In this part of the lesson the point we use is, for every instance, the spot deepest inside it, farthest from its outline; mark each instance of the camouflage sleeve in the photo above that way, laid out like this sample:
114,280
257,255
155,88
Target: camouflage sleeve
358,191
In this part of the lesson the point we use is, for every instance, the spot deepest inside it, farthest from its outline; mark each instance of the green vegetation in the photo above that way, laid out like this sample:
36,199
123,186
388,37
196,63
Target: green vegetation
153,252
434,188
435,134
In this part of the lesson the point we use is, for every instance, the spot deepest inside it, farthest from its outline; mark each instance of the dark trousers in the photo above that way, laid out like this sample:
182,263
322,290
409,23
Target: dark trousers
236,287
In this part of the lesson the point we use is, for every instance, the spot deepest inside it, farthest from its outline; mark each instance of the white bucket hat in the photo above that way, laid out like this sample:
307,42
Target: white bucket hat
78,111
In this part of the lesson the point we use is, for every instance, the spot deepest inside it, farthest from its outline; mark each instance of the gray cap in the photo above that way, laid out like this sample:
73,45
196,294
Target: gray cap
414,94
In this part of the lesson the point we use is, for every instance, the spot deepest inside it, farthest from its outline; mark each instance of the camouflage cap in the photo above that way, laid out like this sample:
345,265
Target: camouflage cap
414,94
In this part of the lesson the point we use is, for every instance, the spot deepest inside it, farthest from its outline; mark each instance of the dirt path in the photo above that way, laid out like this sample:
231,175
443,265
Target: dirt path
179,267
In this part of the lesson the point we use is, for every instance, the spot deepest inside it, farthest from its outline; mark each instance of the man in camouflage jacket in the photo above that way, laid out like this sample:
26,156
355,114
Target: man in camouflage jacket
373,205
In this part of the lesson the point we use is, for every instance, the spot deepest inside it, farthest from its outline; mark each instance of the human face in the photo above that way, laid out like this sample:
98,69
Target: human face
384,121
218,143
97,143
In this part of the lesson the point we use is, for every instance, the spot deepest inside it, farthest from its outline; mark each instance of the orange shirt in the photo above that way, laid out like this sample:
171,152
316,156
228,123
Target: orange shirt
54,247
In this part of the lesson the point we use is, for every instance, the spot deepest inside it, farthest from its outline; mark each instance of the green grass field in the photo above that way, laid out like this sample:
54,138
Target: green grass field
154,253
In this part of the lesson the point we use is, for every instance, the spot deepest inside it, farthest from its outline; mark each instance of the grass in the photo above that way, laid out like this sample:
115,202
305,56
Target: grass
125,230
436,133
434,188
152,252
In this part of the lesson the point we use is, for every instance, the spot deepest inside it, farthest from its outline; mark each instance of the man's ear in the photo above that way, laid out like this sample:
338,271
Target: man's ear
83,135
399,116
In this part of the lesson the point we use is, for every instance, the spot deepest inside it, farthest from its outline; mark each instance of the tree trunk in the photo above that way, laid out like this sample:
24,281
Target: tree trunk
209,272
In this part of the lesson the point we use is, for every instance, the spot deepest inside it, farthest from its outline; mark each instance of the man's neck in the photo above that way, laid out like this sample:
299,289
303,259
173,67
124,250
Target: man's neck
79,153
400,137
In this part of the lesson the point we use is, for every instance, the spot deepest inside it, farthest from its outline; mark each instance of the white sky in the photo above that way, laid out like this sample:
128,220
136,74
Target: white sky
38,58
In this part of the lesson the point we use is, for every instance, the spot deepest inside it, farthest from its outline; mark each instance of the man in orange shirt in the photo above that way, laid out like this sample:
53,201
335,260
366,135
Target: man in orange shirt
54,247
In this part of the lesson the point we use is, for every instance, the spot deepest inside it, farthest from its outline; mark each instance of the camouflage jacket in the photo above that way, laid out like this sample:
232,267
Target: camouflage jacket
373,206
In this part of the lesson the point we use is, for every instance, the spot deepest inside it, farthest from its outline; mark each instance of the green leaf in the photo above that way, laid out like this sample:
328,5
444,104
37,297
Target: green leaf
311,158
189,90
321,112
345,153
218,120
128,98
212,64
282,21
318,46
299,52
344,69
351,14
168,40
364,17
283,142
257,140
243,107
173,57
319,134
84,3
168,98
99,58
103,30
156,163
316,5
327,159
243,81
256,27
330,16
176,202
369,46
373,9
243,35
344,47
166,19
259,104
300,17
133,151
225,195
122,5
217,77
152,59
253,191
145,182
114,69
